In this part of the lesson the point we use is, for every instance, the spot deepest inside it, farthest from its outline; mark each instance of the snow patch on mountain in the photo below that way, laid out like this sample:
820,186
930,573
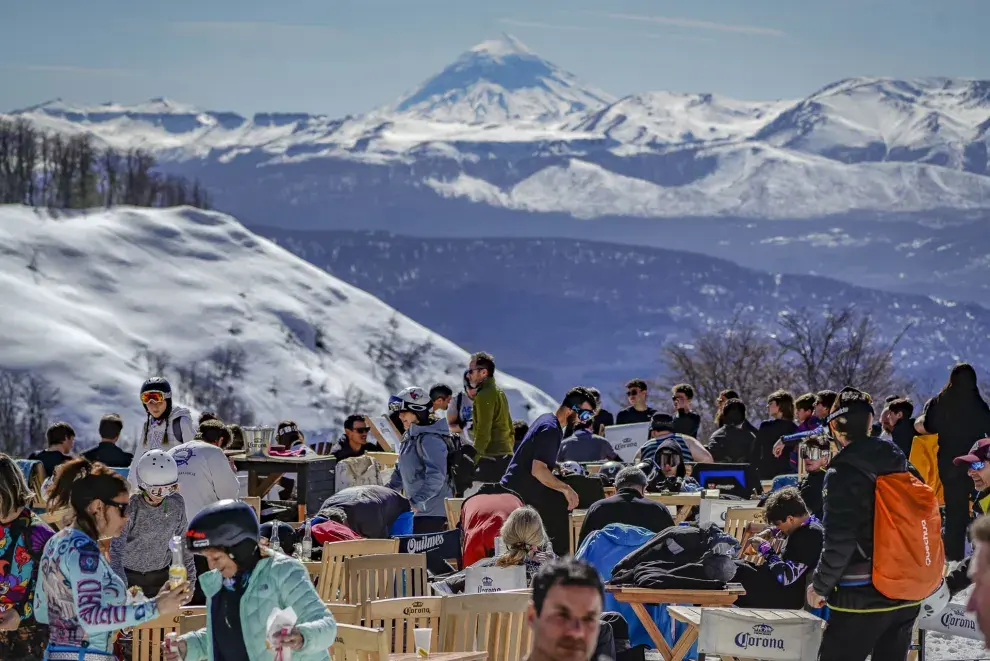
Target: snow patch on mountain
94,291
498,81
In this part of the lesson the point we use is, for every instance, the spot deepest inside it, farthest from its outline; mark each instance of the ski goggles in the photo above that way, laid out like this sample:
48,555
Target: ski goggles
814,452
977,465
161,492
156,396
396,404
667,459
584,415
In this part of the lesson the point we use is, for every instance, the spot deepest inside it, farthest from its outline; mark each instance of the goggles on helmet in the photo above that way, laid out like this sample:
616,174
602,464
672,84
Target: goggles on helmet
398,404
161,492
156,396
815,452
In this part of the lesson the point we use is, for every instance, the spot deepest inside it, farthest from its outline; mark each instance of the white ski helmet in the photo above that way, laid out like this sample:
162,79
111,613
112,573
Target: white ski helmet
936,602
157,473
410,399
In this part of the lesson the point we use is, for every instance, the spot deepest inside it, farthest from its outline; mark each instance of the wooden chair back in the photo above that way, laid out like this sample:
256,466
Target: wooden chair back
321,447
386,576
494,622
737,520
577,520
344,613
453,508
330,584
146,644
385,459
359,644
402,616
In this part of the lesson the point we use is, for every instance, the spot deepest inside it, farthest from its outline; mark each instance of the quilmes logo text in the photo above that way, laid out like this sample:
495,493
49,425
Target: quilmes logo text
416,608
762,636
425,544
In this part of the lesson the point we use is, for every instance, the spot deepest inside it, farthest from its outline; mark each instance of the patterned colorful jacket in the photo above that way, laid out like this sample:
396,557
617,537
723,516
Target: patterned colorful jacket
21,545
81,598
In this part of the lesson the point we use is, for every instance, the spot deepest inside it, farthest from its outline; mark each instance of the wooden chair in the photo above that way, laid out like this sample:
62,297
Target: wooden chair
330,584
453,508
402,616
577,520
737,520
146,644
360,644
386,576
494,622
322,447
345,613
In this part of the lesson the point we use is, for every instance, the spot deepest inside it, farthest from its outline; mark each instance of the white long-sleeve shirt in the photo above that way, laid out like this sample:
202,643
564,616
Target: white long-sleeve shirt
205,475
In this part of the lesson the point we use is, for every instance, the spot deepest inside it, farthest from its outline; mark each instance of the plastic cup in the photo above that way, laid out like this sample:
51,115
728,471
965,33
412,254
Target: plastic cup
422,638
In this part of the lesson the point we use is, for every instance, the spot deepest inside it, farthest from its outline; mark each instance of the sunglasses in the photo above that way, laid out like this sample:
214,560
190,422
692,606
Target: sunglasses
361,430
155,396
584,415
977,465
632,393
121,507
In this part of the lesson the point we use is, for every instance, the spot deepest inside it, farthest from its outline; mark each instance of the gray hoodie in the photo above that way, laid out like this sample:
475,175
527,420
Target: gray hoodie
421,472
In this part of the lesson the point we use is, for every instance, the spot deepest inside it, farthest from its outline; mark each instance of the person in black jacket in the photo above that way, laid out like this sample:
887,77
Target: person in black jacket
817,452
638,410
960,417
628,506
686,421
61,437
725,396
862,620
108,452
781,580
732,442
901,424
780,407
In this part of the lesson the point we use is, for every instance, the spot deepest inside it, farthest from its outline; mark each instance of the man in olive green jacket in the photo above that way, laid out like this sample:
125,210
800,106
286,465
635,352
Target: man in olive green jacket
491,420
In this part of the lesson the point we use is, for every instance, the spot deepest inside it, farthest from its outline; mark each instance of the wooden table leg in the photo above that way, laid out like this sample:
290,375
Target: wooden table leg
682,514
684,643
265,485
652,630
302,489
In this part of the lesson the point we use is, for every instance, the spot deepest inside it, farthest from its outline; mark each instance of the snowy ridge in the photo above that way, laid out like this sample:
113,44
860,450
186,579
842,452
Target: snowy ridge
505,128
106,286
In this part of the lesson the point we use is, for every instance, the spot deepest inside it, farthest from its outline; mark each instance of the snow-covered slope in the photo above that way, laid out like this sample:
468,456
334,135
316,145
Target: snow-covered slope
499,81
85,296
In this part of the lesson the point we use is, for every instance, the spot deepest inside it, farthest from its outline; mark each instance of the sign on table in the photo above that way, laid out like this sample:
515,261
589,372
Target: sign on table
713,509
745,633
627,439
494,579
954,621
386,433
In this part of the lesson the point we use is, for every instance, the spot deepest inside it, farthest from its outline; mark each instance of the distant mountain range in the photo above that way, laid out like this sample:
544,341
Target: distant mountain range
557,312
891,176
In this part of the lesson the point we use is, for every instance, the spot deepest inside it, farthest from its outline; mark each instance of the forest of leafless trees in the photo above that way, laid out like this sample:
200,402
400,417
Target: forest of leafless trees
70,172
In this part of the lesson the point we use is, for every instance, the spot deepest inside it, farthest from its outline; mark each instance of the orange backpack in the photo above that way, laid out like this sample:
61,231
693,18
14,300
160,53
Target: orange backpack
908,557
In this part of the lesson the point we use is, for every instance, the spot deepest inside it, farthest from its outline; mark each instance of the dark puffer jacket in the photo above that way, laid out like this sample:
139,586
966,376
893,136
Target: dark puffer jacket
844,574
680,557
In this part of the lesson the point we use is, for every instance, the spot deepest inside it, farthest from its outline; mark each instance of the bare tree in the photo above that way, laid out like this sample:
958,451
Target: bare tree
40,398
735,354
355,401
837,348
11,405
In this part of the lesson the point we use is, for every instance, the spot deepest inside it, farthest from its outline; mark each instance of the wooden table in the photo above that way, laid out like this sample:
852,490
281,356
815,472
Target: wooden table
440,656
315,477
640,598
691,616
682,501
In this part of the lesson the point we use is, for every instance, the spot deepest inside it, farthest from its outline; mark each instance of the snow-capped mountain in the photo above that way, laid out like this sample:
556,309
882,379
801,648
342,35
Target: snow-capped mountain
500,81
89,296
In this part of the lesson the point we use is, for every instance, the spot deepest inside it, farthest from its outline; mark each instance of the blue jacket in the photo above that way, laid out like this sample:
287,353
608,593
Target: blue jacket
603,549
421,472
80,597
277,582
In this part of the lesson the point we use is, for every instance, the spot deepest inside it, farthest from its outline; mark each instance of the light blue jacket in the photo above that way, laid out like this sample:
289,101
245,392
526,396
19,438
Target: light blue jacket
277,582
421,472
80,597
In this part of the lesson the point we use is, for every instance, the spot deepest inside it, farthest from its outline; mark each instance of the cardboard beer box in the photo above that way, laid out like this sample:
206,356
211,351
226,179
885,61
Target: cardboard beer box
747,633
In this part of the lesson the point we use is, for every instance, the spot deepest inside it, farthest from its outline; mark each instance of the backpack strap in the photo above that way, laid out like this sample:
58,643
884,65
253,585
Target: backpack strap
177,430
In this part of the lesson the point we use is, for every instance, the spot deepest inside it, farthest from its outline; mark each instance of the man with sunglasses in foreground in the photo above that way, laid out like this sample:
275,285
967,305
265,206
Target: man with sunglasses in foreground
530,470
977,462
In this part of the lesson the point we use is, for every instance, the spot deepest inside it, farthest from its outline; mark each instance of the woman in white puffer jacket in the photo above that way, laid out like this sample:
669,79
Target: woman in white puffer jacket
166,426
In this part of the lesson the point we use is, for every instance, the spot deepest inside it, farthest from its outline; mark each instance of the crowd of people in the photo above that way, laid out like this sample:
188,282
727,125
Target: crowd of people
175,496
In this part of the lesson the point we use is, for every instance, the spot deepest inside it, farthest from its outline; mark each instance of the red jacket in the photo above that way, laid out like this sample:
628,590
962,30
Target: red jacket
482,516
331,531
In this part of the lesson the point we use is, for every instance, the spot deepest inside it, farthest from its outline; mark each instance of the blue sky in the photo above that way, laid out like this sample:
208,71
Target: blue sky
346,56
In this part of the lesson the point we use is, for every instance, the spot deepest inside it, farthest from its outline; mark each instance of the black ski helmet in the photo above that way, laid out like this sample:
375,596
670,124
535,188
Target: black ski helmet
223,525
157,383
608,471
